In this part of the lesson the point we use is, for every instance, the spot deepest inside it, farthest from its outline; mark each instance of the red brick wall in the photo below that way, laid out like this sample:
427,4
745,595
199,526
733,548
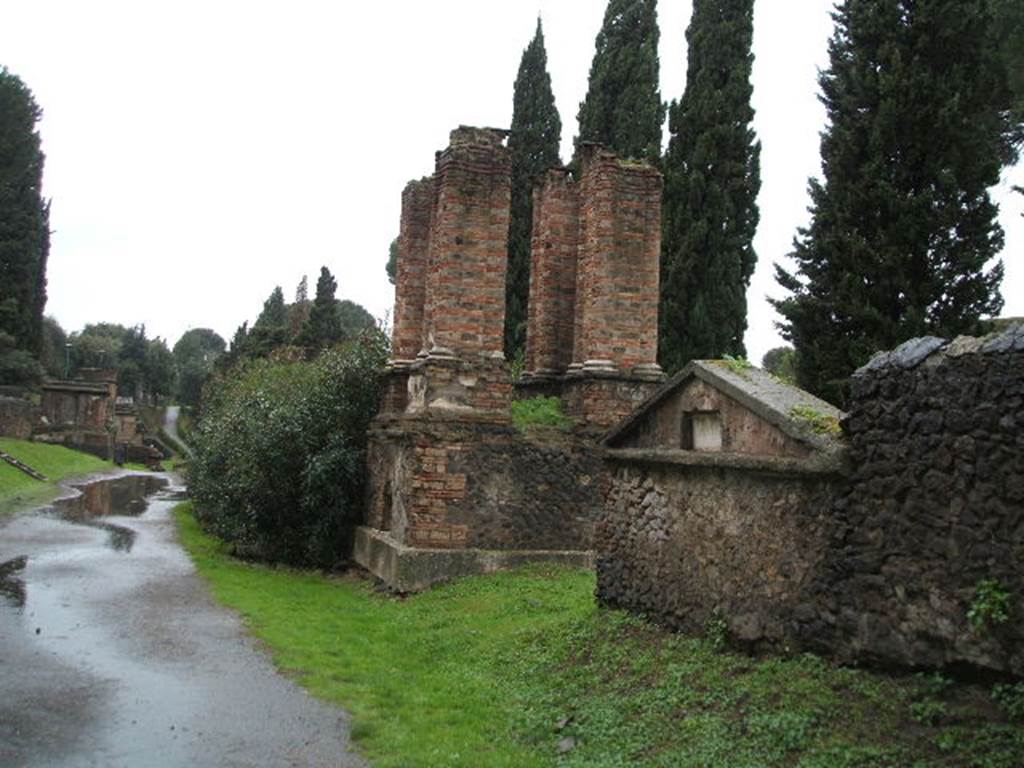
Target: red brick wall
617,276
465,295
413,246
554,251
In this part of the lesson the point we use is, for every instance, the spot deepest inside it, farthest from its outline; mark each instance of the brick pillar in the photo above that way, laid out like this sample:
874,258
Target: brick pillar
413,245
465,299
616,323
553,254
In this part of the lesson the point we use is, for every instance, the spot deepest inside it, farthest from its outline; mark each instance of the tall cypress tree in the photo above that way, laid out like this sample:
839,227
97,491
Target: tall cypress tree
903,226
623,108
712,177
324,325
533,145
24,216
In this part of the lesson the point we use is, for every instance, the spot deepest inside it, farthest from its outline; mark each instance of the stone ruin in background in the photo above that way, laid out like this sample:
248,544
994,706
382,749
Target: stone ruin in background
453,487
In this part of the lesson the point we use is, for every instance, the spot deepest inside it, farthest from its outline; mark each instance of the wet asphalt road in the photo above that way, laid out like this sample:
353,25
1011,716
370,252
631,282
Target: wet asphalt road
113,654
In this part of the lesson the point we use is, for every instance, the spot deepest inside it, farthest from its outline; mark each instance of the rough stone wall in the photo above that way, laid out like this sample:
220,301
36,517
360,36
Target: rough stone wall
693,537
16,418
454,483
934,505
554,251
75,407
617,279
464,309
410,284
600,401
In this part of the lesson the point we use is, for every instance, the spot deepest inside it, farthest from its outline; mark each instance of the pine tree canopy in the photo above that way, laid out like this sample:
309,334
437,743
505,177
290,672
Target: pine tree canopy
903,230
533,146
24,216
623,108
712,178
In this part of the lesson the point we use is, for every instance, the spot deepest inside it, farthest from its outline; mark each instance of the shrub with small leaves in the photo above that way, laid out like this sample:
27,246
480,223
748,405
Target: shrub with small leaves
279,456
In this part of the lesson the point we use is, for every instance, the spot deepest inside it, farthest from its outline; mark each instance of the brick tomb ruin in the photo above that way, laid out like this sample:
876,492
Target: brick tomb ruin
454,488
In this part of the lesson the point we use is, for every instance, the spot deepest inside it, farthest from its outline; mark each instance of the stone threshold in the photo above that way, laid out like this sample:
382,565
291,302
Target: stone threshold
412,569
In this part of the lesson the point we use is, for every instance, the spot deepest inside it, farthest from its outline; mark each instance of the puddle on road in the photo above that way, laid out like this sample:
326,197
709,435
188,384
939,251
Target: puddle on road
126,496
121,497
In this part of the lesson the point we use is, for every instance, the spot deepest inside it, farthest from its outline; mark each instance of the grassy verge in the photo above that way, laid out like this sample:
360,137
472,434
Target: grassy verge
522,669
54,461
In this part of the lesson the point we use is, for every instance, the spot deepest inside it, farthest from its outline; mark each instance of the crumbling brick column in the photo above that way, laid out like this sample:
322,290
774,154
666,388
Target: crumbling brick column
464,313
617,282
554,252
413,247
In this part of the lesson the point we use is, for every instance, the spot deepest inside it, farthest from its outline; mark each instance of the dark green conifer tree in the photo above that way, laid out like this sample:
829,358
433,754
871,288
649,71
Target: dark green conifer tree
712,178
623,108
533,145
324,325
392,264
274,314
24,216
1009,37
903,229
270,330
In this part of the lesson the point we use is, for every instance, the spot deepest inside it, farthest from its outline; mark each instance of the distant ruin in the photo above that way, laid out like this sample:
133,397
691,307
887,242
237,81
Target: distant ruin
83,413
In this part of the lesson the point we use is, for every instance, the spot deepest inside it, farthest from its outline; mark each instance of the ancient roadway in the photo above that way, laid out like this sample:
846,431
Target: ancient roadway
112,653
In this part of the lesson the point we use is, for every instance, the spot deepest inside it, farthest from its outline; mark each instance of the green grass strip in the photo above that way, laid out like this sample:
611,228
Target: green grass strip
55,461
522,669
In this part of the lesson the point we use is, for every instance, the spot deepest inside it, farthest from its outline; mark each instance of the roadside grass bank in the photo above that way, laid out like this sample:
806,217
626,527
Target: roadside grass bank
55,461
522,669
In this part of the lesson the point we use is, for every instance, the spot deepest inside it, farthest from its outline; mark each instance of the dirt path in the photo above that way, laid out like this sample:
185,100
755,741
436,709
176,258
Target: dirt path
171,427
113,654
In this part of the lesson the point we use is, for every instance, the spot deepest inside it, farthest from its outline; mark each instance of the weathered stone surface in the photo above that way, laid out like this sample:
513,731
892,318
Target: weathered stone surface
418,201
907,355
683,540
933,504
413,569
16,417
451,482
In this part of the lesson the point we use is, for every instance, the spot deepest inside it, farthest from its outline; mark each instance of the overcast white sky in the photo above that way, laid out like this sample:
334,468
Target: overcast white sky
200,153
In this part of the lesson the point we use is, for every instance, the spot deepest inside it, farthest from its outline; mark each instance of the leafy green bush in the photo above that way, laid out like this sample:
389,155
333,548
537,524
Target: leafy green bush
540,412
991,605
1010,697
279,462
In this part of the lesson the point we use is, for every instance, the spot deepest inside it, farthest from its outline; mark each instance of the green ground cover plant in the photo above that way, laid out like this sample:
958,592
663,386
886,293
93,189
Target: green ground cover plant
540,412
523,669
54,461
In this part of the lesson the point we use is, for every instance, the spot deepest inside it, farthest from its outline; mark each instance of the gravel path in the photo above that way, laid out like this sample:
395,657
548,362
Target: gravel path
113,654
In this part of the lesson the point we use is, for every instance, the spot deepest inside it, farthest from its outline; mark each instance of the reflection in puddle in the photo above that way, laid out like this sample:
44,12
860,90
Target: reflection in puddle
123,497
12,588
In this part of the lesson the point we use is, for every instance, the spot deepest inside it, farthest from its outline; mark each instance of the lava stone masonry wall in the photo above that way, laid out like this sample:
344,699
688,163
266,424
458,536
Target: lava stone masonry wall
935,505
413,247
464,310
452,483
711,536
553,253
16,418
617,279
